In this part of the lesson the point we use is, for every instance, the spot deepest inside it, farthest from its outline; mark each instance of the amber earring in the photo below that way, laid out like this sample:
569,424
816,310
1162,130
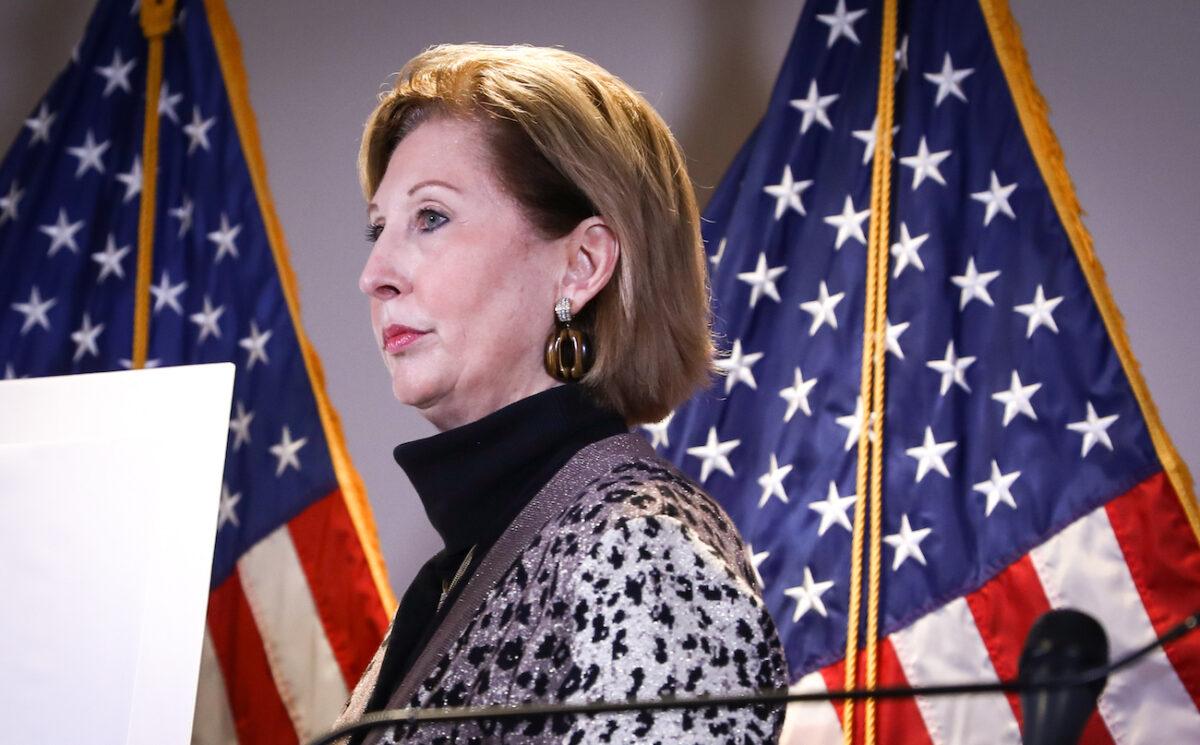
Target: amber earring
568,350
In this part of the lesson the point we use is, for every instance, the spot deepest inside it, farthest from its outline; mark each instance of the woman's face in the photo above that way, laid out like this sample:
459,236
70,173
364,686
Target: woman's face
462,288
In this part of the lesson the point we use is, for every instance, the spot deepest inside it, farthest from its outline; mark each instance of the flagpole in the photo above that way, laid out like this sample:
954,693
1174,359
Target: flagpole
155,18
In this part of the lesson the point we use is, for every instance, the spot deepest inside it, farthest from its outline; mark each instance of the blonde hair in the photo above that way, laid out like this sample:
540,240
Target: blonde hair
571,140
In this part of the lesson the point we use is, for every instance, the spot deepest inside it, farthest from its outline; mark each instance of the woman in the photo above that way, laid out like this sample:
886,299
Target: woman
537,285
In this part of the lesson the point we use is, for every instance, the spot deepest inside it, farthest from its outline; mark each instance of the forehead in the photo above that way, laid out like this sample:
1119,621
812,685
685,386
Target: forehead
443,148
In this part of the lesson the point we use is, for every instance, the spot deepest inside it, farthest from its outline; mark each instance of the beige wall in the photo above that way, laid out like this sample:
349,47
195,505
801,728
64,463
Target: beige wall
1120,77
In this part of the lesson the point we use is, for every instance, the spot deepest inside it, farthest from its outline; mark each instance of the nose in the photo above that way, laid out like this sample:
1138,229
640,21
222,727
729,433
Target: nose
382,278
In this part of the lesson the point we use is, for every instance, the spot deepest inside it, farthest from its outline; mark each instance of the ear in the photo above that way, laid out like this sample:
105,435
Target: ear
592,252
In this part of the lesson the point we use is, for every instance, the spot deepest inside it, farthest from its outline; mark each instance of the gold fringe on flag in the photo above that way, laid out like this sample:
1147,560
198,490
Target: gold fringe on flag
1034,115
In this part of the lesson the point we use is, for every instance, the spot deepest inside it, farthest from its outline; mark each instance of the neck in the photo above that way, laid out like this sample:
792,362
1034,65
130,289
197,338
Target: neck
447,415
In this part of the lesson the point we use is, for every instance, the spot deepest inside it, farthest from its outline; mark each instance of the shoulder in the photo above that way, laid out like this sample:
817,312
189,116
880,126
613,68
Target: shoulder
645,499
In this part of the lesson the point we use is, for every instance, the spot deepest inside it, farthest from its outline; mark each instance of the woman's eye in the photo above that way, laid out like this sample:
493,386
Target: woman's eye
372,233
429,220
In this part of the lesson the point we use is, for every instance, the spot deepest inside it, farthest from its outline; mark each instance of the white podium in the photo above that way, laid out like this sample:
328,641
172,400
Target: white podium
109,486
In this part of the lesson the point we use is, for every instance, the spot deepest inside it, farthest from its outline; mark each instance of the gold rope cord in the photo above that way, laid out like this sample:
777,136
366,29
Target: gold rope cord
869,472
156,16
881,193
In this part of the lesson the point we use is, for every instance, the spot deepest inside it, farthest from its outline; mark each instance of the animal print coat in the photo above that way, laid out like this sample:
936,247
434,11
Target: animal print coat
621,579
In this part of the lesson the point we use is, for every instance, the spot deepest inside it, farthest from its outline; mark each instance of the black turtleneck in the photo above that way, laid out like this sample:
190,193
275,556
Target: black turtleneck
472,481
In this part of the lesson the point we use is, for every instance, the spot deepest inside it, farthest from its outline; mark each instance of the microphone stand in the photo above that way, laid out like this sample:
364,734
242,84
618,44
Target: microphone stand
772,696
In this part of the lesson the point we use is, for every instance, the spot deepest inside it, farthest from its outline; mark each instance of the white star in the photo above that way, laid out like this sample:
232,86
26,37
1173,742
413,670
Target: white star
787,193
996,489
207,319
974,285
832,509
85,338
931,454
167,295
905,250
10,202
841,23
762,280
34,311
995,198
239,425
1094,429
953,369
183,213
1016,399
756,560
62,233
197,130
948,79
868,137
907,543
167,101
1040,312
149,364
822,309
256,345
658,431
893,332
89,154
715,259
116,74
853,424
849,223
813,105
39,124
225,238
737,367
772,482
797,396
285,450
902,57
11,374
132,180
925,164
226,511
808,596
110,259
713,454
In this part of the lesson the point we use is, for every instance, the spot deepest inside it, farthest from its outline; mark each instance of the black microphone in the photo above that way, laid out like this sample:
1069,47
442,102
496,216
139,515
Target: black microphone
1062,645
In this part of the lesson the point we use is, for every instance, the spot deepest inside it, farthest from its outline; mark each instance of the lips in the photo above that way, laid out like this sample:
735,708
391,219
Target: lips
397,338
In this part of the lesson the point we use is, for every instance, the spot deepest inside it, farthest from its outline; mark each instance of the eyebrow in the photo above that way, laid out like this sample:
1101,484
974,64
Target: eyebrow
432,182
427,182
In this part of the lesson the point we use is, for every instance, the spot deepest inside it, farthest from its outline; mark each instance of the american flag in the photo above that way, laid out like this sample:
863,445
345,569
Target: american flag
299,598
1024,465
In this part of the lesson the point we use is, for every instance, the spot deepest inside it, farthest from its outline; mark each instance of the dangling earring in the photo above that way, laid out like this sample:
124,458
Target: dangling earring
569,350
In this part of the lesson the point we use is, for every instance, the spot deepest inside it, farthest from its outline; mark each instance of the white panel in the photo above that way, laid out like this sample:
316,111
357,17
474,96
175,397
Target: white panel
109,486
813,723
945,647
302,661
213,723
1083,568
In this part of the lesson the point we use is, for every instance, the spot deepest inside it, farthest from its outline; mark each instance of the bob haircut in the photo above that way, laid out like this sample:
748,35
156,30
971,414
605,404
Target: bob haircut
569,140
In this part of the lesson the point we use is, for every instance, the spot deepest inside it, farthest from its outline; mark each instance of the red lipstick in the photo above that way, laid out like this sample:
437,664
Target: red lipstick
397,338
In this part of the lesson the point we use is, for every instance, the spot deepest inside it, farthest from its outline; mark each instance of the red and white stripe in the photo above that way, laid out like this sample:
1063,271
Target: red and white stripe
288,633
1134,564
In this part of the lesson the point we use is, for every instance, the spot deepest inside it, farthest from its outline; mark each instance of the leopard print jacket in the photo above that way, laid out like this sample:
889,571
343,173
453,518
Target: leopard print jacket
639,587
